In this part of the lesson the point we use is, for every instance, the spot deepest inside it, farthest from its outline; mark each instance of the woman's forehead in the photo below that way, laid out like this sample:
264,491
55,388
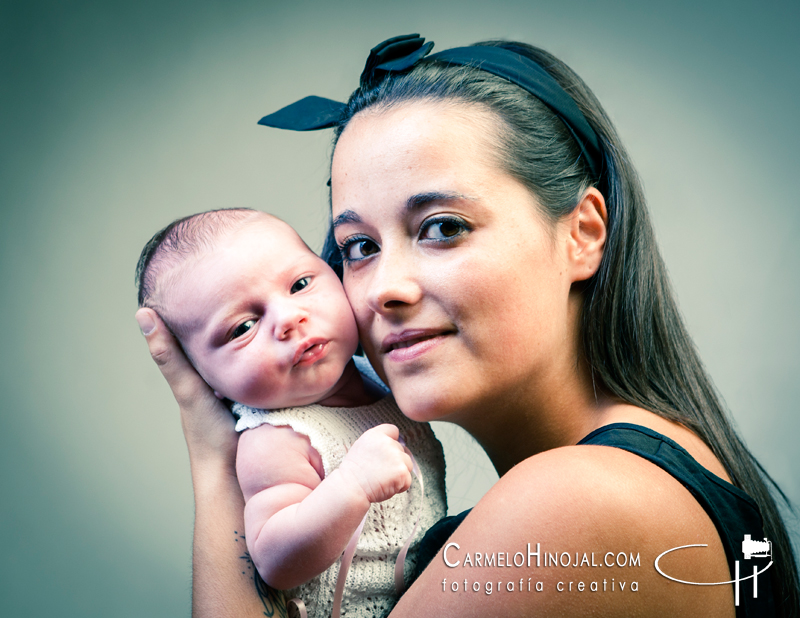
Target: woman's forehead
449,118
413,148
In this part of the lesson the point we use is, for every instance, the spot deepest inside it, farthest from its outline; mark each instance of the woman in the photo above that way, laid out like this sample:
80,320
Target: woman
499,259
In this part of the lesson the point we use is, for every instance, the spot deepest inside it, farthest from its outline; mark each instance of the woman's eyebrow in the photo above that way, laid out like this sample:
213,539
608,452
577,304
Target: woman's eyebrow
414,202
423,199
347,216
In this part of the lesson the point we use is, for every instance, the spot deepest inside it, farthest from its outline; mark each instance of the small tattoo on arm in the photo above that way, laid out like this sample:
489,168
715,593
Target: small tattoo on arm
272,600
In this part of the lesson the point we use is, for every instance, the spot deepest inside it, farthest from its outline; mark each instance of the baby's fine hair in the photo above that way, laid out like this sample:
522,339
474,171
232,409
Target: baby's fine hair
180,240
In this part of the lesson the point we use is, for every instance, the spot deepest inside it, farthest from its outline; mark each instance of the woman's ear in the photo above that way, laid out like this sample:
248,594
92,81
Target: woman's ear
587,234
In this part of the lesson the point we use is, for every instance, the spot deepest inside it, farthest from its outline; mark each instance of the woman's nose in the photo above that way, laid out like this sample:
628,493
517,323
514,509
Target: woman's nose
393,284
288,319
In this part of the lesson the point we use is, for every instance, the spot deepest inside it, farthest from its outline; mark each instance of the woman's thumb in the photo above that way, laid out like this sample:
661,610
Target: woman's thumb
182,378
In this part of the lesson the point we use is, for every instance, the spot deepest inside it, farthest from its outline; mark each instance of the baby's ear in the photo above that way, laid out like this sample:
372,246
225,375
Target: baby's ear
218,396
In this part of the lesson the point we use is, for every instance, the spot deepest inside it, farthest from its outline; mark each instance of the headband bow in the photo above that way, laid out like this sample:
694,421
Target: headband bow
401,53
397,54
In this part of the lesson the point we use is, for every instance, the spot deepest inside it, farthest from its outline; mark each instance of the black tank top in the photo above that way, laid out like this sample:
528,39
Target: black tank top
733,512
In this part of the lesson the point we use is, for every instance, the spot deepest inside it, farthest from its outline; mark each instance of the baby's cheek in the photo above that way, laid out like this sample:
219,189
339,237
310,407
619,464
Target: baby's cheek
257,384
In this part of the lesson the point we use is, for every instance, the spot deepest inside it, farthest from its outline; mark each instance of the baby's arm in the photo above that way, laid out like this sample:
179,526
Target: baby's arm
297,524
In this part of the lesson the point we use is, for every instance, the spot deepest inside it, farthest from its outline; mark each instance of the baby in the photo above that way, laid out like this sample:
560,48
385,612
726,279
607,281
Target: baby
267,324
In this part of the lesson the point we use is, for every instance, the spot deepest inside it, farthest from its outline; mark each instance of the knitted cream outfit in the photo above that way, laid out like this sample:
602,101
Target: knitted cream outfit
369,590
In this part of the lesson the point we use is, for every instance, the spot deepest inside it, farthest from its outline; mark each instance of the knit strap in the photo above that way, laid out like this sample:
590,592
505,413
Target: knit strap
399,565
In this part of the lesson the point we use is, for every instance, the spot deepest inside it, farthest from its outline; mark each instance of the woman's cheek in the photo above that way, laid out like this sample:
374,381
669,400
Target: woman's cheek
497,308
346,323
355,291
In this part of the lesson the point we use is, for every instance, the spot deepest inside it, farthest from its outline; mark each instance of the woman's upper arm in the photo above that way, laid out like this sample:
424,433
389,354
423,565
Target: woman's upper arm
221,585
587,505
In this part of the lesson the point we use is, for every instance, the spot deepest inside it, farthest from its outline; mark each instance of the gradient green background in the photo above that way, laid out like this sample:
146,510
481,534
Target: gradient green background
119,117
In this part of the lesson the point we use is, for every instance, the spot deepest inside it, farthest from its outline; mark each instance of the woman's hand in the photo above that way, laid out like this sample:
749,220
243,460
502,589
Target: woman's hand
224,582
207,424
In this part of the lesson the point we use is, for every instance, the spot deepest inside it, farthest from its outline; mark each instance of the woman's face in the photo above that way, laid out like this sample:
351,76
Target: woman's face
459,286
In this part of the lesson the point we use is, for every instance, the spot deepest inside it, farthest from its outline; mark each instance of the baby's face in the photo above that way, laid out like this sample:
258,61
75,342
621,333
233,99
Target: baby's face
265,321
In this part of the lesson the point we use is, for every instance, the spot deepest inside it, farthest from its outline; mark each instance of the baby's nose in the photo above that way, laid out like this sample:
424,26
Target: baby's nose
288,320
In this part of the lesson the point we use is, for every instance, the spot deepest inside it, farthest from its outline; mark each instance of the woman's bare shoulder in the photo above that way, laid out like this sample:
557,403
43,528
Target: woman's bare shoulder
593,493
587,522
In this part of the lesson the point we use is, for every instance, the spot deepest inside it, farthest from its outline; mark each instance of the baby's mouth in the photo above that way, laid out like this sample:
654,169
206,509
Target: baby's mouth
309,352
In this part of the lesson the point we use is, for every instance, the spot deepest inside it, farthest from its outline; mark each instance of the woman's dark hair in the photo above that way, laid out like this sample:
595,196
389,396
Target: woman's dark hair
634,339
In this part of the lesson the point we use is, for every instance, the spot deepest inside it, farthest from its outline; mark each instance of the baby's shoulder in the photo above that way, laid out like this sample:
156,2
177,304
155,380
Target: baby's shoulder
270,455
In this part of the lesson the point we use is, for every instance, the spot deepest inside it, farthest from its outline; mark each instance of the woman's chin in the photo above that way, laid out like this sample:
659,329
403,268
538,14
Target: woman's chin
423,406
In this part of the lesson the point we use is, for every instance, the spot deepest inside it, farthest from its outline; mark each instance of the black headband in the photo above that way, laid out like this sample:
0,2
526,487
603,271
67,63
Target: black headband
401,53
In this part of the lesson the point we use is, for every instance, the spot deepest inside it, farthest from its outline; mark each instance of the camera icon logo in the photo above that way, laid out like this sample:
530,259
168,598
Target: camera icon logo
750,549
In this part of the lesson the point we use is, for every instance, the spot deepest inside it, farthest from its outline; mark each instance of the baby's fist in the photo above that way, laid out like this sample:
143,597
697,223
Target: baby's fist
379,463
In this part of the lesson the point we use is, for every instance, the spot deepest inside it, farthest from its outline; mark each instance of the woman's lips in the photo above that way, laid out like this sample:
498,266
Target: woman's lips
410,344
309,352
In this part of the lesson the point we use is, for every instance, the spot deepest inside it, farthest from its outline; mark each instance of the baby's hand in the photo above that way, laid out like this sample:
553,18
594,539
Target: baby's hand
378,463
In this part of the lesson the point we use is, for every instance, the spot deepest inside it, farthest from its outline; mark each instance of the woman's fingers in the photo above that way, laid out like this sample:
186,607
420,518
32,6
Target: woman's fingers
207,423
183,379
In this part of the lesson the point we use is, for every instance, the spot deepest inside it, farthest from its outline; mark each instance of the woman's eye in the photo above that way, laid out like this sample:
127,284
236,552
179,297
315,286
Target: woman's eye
358,249
242,329
443,229
300,284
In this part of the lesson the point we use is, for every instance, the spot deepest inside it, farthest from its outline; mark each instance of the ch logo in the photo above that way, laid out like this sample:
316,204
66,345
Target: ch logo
750,549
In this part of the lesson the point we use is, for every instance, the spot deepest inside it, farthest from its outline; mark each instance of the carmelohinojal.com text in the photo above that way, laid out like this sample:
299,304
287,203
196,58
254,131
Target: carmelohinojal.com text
455,558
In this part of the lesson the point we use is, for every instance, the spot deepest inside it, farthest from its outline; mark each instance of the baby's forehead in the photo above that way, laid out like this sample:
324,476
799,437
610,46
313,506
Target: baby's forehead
273,228
260,234
268,234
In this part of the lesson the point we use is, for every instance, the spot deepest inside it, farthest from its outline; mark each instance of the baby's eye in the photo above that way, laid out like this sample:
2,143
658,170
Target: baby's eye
443,229
242,329
358,249
300,284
